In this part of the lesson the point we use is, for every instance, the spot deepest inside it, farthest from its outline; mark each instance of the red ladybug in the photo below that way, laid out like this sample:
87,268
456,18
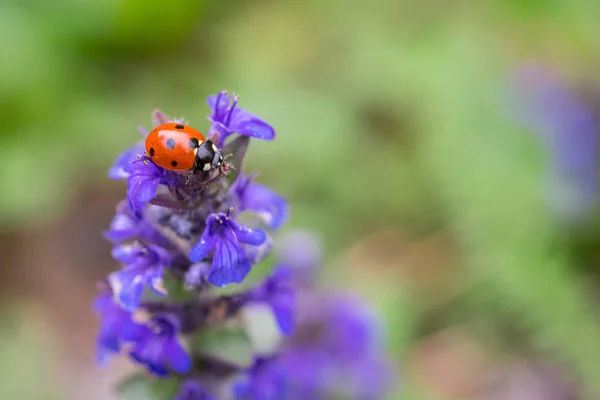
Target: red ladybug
178,147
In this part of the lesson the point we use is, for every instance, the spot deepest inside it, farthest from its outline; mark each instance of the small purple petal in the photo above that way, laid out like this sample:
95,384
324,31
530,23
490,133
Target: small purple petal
270,206
230,264
227,119
128,287
179,360
143,131
144,265
265,380
122,166
203,247
249,125
192,390
159,349
125,253
221,98
122,227
143,182
278,291
116,327
147,191
254,237
159,118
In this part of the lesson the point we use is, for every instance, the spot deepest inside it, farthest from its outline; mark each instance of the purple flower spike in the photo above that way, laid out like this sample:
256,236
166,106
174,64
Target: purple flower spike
230,263
270,206
116,327
159,349
278,291
144,265
122,167
227,119
192,390
265,380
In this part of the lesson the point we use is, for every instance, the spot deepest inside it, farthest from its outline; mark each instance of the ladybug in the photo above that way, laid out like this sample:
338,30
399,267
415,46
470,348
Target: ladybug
178,147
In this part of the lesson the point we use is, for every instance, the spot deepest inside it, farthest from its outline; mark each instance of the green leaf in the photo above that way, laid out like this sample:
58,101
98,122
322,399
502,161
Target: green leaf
230,344
143,387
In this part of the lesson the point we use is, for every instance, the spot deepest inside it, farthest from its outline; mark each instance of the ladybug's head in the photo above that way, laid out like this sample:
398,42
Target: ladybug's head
208,157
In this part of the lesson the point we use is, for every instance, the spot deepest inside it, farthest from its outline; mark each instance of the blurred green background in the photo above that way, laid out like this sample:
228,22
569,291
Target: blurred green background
396,144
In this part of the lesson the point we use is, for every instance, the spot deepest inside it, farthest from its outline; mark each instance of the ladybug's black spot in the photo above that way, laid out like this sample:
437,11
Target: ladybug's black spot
151,151
170,143
179,126
193,144
174,163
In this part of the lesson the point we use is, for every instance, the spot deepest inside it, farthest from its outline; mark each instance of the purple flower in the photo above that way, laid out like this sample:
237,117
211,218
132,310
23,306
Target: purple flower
277,291
265,380
159,349
192,390
309,371
270,206
127,225
337,344
354,331
144,265
116,327
569,129
122,167
196,276
227,119
230,264
143,181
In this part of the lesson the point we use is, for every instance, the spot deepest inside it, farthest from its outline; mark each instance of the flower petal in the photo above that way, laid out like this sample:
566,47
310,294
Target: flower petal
125,254
254,237
219,103
204,246
159,118
128,286
131,331
249,125
108,339
147,190
122,166
192,390
230,264
122,227
283,307
177,358
272,207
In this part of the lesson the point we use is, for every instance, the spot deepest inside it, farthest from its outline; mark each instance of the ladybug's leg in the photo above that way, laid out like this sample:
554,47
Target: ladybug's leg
187,175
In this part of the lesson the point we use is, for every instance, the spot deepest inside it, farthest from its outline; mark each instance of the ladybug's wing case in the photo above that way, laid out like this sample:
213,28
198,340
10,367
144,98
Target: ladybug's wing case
173,148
